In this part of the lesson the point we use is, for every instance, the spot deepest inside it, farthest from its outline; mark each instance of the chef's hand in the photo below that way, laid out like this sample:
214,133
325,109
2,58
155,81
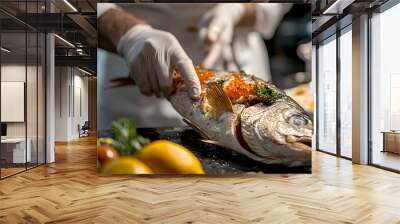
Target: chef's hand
152,55
216,30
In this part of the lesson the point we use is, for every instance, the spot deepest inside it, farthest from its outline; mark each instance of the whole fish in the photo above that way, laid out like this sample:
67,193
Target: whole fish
245,114
248,115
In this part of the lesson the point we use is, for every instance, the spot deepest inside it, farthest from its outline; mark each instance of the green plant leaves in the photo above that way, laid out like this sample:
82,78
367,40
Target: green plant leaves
127,141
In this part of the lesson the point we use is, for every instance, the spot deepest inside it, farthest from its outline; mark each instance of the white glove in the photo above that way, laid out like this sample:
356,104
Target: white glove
151,55
217,28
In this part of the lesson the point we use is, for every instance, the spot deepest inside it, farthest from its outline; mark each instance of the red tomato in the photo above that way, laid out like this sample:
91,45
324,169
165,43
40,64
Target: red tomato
106,153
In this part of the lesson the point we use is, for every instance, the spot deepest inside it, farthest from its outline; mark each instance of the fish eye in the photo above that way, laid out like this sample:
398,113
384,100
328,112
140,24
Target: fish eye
298,120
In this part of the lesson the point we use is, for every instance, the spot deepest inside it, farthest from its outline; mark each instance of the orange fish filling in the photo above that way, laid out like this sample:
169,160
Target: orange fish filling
238,88
203,74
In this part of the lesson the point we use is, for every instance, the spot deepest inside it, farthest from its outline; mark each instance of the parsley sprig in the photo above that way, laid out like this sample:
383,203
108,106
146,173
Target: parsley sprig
268,95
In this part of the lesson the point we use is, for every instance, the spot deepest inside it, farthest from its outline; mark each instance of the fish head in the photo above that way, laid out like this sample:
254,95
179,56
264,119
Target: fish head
280,132
288,123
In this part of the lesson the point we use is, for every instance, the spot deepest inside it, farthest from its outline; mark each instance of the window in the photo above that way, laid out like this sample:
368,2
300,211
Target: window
327,96
346,92
385,89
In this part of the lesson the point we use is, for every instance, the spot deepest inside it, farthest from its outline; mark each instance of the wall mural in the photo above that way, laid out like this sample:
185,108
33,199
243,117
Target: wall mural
191,91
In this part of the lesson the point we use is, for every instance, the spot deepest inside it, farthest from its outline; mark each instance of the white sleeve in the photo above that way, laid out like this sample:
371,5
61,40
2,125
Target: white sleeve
268,17
104,7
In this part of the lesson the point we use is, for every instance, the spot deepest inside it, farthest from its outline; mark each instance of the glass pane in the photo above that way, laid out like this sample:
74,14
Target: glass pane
32,98
13,86
327,96
385,84
345,94
41,98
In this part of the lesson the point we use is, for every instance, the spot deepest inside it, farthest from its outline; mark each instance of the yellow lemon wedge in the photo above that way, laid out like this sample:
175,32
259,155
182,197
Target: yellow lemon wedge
126,165
166,157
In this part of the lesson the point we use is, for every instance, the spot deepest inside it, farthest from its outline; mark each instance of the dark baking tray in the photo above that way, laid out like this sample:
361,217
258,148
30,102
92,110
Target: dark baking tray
215,160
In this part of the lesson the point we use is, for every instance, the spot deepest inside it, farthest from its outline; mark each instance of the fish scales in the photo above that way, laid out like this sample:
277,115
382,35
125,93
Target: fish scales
262,123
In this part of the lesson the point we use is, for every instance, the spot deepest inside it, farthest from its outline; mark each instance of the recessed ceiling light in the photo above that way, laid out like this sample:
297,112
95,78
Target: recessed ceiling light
84,71
333,6
337,7
5,50
70,5
65,41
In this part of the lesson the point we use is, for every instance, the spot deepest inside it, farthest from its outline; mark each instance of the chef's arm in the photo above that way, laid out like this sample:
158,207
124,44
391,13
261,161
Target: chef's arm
152,55
248,18
217,26
263,17
113,23
267,17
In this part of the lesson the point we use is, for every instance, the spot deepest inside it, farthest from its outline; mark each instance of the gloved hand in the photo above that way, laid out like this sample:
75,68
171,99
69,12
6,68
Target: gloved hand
216,30
151,55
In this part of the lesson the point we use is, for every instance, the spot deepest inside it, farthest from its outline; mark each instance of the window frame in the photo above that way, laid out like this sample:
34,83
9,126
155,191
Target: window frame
380,9
344,27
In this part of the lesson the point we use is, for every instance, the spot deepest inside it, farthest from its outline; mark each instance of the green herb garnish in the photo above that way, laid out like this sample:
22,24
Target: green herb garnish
268,95
220,82
127,141
242,72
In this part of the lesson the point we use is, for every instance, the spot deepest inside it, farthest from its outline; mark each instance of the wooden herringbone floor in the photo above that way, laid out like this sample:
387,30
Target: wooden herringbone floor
70,191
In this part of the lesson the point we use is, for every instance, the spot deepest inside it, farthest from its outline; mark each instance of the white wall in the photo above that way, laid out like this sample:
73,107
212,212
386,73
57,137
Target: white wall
62,81
80,94
12,101
33,127
12,73
70,83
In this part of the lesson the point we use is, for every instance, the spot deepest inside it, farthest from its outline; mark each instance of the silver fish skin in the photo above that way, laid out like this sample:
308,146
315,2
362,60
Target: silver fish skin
275,131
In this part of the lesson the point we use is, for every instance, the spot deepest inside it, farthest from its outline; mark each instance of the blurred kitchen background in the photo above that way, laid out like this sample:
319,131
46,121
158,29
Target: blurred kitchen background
290,48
